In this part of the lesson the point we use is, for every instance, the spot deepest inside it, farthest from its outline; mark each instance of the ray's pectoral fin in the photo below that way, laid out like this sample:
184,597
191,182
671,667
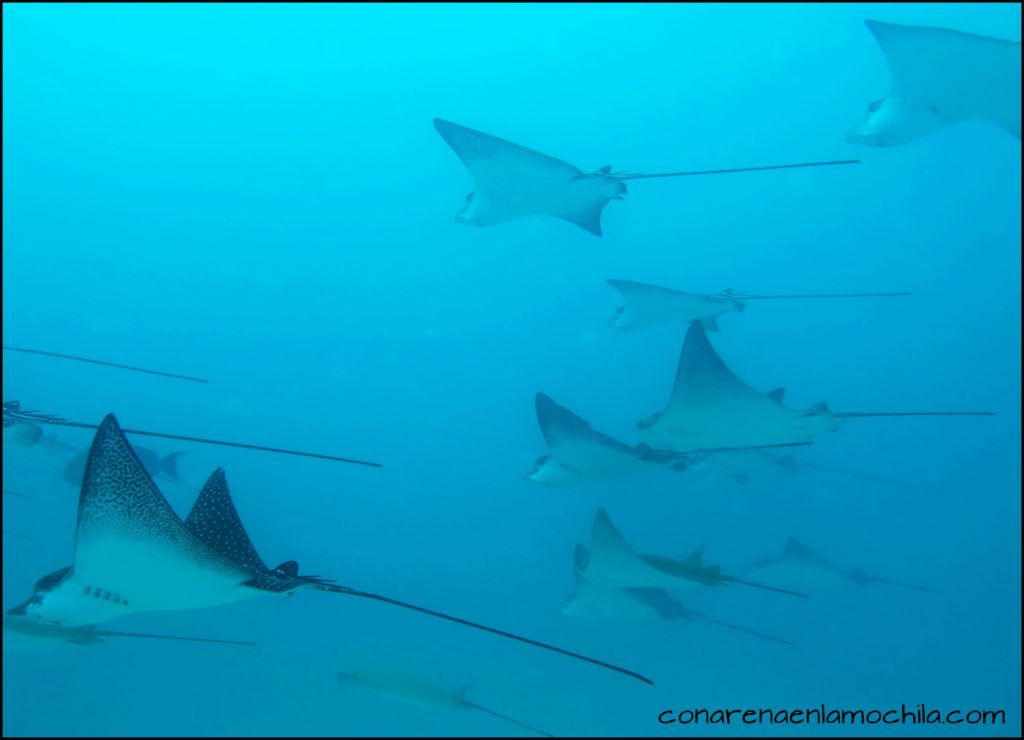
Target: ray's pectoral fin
588,219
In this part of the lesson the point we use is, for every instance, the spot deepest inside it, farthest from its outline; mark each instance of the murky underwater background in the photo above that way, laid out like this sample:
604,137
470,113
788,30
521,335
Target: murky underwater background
256,195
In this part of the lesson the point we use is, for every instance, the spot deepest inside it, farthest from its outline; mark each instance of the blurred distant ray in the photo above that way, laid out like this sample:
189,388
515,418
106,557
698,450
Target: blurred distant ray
742,466
710,404
176,376
940,77
799,563
578,453
14,415
649,305
415,690
134,554
24,636
513,181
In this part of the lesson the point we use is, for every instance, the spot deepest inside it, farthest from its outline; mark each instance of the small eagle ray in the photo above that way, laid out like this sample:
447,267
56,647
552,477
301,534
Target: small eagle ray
798,563
513,181
649,305
710,406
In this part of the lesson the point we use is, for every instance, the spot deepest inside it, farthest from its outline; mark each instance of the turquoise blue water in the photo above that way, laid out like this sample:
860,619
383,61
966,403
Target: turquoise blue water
256,195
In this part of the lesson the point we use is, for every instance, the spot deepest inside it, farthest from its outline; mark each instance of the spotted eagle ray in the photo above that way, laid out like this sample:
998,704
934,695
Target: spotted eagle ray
14,415
513,181
92,361
940,77
614,562
413,689
711,407
648,305
741,466
578,452
800,565
592,600
134,554
23,635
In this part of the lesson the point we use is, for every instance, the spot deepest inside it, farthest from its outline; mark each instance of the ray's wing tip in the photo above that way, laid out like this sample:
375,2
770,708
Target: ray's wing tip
445,127
110,423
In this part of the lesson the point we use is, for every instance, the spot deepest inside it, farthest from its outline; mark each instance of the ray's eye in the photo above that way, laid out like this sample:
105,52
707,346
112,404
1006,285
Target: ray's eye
469,197
875,105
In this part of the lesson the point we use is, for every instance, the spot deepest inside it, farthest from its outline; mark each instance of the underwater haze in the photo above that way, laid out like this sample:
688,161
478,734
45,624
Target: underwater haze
257,195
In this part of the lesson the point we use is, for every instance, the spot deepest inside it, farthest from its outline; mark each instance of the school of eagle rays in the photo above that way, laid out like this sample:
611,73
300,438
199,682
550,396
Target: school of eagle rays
133,553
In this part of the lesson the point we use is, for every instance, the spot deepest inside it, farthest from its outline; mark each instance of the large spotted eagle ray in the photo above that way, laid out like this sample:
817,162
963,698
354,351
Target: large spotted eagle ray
134,554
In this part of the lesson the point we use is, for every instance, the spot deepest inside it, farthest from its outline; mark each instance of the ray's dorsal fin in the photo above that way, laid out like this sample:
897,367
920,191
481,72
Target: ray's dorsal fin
214,520
777,394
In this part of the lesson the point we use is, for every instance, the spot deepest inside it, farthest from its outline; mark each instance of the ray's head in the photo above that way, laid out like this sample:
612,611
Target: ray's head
480,211
816,420
548,471
893,121
622,318
42,604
